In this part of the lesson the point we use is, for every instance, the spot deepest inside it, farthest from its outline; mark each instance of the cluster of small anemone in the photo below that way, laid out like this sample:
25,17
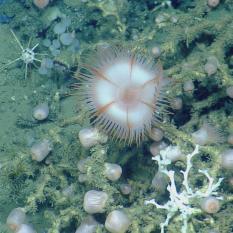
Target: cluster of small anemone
105,107
62,40
96,201
40,150
119,124
207,134
118,110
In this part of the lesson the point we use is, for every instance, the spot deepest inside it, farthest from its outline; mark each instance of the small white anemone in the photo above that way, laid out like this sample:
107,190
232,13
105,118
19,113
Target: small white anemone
88,225
95,201
24,228
210,205
117,221
207,134
41,149
16,218
41,111
112,171
227,159
174,153
91,136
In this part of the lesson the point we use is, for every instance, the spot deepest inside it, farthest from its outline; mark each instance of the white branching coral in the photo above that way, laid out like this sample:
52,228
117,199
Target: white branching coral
180,202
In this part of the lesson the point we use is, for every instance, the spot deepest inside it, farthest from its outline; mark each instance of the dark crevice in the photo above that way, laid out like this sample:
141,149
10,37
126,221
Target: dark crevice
229,57
203,38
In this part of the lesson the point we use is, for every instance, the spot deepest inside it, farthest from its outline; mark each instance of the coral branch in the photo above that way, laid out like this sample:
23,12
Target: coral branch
180,202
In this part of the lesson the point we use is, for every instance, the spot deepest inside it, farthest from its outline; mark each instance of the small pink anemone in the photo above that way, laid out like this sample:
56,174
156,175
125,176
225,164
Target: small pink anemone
122,90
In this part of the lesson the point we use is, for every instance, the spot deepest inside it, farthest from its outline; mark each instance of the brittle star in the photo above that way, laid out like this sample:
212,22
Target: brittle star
27,55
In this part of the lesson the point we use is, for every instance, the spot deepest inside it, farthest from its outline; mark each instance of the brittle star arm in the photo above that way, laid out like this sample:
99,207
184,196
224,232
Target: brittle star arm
9,63
17,40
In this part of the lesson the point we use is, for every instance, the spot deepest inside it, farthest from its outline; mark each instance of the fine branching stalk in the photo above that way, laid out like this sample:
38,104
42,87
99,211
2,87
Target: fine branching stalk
180,202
